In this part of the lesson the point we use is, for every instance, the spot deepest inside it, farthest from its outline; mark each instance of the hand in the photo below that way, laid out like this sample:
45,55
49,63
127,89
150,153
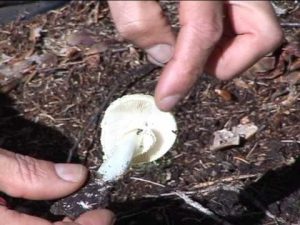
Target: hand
221,38
26,177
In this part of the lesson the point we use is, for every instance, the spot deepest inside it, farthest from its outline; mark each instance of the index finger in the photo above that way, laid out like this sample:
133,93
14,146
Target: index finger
201,28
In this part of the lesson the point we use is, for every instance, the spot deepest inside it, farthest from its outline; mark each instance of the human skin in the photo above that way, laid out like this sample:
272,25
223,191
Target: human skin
221,38
29,178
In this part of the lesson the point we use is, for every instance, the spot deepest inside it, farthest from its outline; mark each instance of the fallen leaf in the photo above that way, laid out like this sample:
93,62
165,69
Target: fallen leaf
15,69
241,83
295,65
278,10
226,95
292,78
227,138
35,34
290,100
47,59
264,65
223,139
92,60
245,120
97,48
83,38
70,52
245,131
4,58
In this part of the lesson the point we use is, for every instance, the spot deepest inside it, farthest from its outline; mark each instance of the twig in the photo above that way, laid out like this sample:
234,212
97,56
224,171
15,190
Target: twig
290,141
251,150
169,194
147,181
199,207
226,179
205,191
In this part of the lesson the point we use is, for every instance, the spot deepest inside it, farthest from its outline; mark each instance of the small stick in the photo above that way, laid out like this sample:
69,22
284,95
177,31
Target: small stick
147,181
290,141
288,24
200,208
251,150
226,179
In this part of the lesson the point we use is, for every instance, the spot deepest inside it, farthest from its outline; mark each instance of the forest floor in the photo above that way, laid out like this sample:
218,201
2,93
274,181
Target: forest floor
58,68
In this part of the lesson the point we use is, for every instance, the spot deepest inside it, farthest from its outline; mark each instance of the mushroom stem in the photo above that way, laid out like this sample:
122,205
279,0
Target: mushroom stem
117,164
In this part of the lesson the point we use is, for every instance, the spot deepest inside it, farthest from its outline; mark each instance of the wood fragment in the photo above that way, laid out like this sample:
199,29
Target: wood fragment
226,179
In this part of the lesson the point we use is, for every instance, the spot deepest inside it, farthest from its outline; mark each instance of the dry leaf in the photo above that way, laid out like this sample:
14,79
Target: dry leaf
70,52
15,69
35,34
245,120
226,95
82,38
223,139
226,138
47,59
241,83
245,130
264,65
295,65
97,48
4,58
92,60
292,78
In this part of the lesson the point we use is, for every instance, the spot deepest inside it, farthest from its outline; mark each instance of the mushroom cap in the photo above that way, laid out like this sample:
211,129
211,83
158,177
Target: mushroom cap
138,112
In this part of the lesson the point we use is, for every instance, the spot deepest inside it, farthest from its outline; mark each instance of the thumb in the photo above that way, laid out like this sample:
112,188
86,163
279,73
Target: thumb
143,23
26,177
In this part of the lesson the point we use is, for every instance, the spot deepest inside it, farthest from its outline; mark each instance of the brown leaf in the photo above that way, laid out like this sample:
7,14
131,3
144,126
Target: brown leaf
47,59
245,131
292,78
264,65
245,120
82,38
295,65
97,48
224,94
241,83
92,60
291,49
71,53
291,99
15,69
35,34
223,139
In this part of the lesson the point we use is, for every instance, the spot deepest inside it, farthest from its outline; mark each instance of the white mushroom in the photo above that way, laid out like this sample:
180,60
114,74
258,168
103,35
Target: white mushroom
134,131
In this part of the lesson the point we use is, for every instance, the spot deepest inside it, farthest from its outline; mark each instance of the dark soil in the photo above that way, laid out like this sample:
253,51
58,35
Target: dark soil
52,103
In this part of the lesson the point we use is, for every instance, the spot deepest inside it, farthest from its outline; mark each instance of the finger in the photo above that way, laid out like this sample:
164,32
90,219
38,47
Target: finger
10,217
143,23
256,36
26,177
201,28
97,217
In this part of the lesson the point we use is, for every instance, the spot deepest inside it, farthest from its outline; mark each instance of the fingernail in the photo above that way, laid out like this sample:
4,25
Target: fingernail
70,172
167,103
160,54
